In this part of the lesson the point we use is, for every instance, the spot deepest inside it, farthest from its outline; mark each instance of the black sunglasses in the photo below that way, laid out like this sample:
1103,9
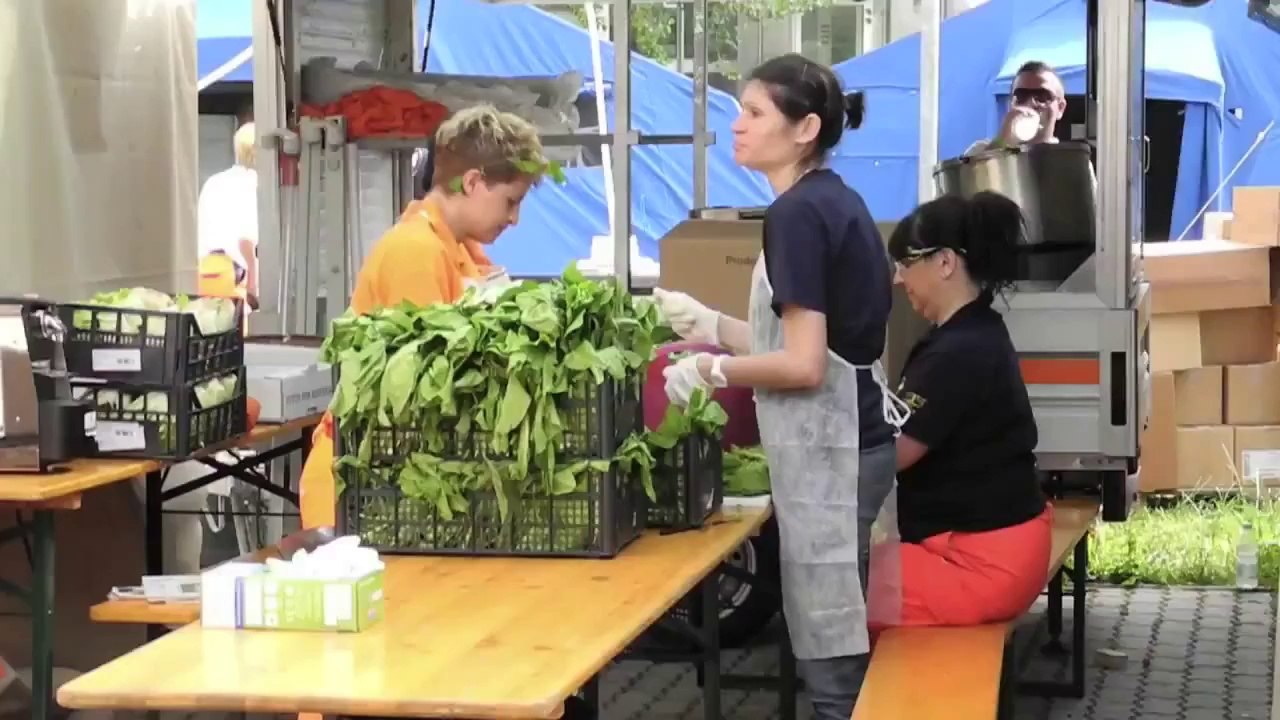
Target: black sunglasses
1044,96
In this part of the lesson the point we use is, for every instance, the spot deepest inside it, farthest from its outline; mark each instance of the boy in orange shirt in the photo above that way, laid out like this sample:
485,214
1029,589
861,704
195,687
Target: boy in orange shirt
483,163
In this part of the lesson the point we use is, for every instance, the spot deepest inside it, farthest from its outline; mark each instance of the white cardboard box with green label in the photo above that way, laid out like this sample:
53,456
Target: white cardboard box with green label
255,596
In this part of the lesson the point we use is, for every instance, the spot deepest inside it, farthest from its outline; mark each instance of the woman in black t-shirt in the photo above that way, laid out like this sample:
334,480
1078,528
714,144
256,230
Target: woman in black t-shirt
975,526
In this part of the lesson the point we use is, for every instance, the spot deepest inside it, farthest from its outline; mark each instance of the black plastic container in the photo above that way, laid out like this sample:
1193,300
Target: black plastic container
175,431
688,480
164,348
596,523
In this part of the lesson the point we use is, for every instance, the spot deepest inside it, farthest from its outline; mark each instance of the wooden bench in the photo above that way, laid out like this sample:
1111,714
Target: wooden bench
141,612
967,673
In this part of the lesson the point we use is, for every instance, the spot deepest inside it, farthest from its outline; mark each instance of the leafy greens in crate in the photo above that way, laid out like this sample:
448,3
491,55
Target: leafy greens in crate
485,388
213,315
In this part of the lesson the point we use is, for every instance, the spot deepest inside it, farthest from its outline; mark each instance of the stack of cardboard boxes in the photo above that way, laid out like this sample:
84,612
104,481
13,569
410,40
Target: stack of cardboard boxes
1216,385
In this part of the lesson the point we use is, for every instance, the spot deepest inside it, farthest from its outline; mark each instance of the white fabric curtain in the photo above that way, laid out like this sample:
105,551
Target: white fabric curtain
98,145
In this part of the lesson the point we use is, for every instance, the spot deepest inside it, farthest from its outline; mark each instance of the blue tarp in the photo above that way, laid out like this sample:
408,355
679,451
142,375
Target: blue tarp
557,222
1213,58
224,30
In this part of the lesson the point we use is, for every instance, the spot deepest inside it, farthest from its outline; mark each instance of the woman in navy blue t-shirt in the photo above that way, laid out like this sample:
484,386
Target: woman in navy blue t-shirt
810,348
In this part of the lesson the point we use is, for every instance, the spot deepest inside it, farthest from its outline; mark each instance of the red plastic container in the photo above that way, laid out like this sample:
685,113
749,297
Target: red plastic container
738,403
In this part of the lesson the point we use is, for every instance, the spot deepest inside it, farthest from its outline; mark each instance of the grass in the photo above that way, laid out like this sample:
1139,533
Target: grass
1188,540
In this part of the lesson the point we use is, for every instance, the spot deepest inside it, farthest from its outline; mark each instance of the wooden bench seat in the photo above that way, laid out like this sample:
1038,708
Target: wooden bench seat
955,673
141,612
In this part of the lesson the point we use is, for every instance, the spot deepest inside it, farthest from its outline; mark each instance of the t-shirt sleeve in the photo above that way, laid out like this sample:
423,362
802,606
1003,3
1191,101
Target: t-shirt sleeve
941,388
796,251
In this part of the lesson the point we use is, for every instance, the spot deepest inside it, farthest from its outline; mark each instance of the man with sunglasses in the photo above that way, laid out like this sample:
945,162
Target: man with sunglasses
1038,101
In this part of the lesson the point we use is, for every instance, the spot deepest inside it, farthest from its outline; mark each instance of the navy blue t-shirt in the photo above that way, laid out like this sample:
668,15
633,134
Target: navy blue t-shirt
971,409
823,252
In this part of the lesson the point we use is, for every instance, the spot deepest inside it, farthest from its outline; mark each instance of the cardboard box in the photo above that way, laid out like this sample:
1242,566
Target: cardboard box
1195,275
1158,466
247,596
1258,456
1217,226
1256,215
1253,394
290,382
1206,457
1199,393
1218,337
712,260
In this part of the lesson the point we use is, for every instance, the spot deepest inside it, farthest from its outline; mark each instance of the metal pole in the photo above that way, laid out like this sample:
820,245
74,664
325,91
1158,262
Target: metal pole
699,101
622,143
930,29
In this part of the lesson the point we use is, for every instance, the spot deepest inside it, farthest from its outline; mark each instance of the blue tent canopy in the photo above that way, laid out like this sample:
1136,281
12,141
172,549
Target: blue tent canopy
879,159
558,221
1213,58
224,41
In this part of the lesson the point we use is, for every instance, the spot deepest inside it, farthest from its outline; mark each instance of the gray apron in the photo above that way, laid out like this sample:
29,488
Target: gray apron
811,440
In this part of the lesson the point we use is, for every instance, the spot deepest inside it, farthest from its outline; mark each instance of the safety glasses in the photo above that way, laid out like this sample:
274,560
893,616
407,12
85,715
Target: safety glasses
916,255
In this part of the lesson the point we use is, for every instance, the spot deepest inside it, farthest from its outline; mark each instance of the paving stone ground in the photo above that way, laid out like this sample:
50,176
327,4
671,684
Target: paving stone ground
1191,655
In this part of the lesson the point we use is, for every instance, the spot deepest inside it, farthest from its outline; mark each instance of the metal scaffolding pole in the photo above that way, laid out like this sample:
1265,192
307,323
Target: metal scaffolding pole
622,142
931,16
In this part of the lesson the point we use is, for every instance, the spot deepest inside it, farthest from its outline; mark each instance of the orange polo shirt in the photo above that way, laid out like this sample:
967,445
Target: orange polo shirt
418,260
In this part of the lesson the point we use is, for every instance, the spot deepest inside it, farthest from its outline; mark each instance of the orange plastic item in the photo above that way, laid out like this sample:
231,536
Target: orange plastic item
382,110
254,410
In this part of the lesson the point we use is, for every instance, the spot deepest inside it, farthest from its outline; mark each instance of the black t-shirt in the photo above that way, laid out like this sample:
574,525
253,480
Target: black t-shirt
970,407
822,252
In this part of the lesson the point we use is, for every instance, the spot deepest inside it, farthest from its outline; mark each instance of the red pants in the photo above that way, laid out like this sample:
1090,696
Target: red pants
974,578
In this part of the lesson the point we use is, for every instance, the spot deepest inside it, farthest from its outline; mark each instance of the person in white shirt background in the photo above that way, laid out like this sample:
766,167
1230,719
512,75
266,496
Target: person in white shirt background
227,214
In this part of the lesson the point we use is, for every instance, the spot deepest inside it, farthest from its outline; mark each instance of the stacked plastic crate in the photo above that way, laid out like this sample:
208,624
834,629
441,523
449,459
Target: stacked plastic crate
162,387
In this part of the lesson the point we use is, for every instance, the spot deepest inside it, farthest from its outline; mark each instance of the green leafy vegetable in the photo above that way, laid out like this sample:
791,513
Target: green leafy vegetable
213,315
746,472
497,399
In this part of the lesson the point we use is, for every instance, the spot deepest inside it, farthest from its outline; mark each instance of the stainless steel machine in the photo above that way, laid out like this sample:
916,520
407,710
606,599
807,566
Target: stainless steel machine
40,423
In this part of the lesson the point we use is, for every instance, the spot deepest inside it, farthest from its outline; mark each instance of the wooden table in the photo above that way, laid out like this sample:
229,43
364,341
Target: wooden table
61,489
462,637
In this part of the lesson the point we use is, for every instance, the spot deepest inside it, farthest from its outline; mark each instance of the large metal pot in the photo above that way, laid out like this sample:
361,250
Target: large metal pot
1053,183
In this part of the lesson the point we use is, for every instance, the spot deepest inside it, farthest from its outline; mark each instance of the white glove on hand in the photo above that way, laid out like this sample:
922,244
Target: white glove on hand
682,379
689,318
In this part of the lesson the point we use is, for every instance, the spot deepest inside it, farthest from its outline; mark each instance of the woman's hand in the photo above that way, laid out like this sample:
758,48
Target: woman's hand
689,318
685,376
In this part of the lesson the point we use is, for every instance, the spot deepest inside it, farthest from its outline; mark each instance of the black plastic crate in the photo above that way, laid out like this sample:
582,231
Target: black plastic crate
597,522
147,347
173,431
688,481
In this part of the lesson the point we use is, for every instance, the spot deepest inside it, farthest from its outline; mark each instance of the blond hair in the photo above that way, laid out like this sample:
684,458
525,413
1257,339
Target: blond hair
502,146
245,142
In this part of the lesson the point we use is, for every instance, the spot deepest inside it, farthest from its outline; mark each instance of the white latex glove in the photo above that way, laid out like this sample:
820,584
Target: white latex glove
683,378
689,318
